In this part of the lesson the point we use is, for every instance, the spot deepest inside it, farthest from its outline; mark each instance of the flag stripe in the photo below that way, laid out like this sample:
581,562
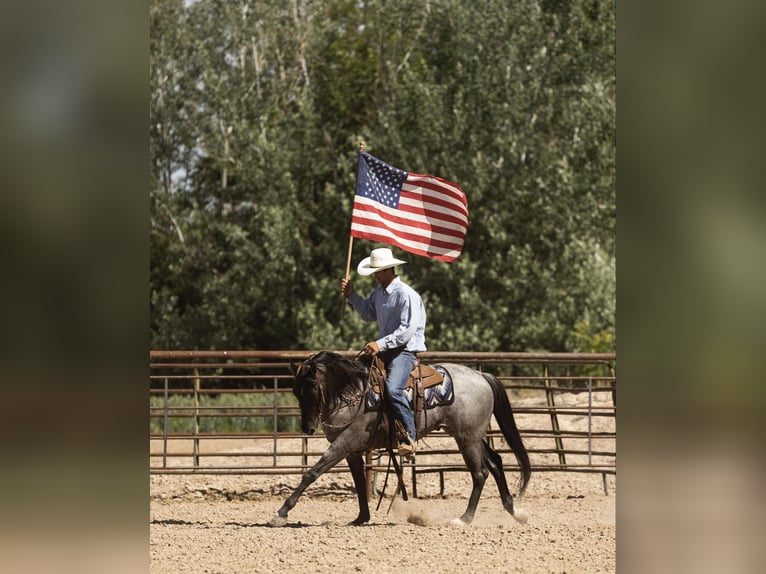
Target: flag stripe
417,205
367,208
427,196
417,248
452,191
407,232
370,224
452,188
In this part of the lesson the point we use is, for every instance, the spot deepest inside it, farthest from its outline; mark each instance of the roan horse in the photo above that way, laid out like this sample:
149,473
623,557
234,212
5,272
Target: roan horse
331,390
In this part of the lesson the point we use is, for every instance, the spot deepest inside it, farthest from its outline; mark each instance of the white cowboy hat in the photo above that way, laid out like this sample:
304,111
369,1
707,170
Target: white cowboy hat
378,260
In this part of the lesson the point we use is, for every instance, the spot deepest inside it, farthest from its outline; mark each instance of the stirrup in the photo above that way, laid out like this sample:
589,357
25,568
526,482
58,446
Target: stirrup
406,445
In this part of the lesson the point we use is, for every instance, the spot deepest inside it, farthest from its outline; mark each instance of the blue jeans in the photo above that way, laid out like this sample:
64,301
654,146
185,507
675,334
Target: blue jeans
399,366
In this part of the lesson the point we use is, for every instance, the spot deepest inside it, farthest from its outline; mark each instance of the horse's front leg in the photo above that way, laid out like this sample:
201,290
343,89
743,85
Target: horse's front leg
356,464
330,458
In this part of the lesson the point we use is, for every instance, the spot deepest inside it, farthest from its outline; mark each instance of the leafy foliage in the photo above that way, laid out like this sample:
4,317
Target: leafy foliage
257,108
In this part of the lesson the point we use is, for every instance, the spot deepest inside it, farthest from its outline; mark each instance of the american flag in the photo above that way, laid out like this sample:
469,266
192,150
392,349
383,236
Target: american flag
422,214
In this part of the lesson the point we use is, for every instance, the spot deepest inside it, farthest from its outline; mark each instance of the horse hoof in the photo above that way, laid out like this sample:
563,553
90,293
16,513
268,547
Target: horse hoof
457,522
278,520
520,516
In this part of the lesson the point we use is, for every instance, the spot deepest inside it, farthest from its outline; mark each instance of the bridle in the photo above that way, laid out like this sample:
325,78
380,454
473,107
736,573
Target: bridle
354,400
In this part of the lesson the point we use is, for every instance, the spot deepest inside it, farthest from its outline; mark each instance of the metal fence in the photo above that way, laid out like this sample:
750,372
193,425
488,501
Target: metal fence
233,412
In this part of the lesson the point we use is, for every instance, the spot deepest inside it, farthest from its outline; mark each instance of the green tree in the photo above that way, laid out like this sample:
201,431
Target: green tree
257,109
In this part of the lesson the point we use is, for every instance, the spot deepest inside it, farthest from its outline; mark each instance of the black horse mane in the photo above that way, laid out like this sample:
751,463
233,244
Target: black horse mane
342,372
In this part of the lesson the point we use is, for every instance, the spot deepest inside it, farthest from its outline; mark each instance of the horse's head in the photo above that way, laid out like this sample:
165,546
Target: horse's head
309,392
321,381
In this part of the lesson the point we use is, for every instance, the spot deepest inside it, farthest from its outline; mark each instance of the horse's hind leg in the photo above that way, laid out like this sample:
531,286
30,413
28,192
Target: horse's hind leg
356,464
494,463
473,456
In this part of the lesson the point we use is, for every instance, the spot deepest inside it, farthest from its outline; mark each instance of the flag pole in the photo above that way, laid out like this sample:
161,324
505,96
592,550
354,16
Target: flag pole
348,257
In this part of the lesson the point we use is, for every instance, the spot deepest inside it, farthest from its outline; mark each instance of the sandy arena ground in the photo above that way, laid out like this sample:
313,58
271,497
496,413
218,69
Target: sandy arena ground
220,524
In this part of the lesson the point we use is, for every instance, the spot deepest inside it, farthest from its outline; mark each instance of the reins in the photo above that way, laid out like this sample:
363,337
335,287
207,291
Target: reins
389,448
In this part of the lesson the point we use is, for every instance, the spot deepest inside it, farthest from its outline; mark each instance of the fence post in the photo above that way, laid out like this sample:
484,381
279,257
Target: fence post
196,418
554,417
276,424
165,427
590,421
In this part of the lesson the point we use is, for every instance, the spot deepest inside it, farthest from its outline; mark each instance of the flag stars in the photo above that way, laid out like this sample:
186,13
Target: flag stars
380,181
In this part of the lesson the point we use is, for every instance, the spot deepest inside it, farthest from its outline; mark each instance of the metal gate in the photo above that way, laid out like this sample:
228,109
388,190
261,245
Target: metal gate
214,412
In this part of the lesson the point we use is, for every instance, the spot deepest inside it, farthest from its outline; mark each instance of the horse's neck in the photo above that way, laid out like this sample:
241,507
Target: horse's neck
342,393
338,395
340,410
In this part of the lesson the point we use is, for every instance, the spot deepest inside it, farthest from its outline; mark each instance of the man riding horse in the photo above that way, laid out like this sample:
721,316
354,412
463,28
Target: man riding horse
401,317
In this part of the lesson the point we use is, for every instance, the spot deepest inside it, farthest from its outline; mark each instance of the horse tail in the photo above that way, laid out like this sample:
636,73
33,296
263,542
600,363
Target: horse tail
504,416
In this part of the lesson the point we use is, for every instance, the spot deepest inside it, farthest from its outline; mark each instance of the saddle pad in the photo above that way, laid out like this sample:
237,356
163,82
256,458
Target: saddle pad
435,396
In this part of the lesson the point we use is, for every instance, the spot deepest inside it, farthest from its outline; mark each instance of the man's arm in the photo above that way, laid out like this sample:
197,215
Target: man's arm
364,307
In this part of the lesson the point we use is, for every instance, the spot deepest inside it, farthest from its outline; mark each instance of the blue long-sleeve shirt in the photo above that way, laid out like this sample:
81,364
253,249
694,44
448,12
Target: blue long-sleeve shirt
400,314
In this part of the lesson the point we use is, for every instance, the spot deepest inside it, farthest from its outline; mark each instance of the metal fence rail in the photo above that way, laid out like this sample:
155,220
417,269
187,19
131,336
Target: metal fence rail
233,412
